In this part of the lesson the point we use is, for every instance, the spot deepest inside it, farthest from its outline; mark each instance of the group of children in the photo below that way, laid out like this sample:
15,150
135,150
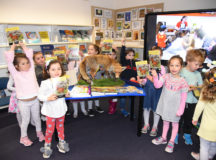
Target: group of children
168,95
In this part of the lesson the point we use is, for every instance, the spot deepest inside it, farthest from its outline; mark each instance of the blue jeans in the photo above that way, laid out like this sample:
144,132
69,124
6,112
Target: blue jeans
207,149
123,103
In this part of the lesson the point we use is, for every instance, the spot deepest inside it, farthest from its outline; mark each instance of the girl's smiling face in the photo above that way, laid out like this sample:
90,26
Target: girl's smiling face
55,70
175,67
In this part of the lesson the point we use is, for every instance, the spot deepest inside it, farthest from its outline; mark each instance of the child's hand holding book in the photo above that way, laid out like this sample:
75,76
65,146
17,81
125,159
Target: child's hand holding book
52,97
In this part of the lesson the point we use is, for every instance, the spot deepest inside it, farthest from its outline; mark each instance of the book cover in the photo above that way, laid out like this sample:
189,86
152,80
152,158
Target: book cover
44,36
78,35
32,37
49,59
61,56
85,35
83,48
107,46
70,35
60,85
154,59
14,35
142,69
74,52
47,50
63,36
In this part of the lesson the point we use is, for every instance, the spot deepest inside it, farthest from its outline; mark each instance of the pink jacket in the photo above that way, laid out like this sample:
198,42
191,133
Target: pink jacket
25,82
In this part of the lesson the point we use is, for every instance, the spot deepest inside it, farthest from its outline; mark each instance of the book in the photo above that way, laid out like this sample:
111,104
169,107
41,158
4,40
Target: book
63,36
78,35
70,35
85,35
142,69
14,35
61,56
74,52
80,91
47,50
107,46
82,48
154,59
32,37
60,84
44,36
49,59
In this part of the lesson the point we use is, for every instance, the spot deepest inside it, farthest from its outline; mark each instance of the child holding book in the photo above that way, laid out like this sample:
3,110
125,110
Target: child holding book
172,100
53,108
130,73
22,71
151,99
207,107
194,59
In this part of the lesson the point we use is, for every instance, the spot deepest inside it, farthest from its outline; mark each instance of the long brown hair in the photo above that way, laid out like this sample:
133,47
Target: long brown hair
209,87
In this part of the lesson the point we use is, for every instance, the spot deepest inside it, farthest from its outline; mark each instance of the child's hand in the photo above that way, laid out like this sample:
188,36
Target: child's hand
13,47
154,73
149,78
191,87
52,97
123,41
194,122
132,79
67,94
81,54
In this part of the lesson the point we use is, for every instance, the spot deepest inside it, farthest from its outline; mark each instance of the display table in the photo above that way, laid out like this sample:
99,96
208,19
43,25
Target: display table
130,94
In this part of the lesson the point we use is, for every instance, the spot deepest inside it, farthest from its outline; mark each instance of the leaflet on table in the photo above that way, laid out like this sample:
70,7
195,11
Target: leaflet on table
80,91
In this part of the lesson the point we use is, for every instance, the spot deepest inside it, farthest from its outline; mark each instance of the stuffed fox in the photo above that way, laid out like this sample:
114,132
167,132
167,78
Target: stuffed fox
94,62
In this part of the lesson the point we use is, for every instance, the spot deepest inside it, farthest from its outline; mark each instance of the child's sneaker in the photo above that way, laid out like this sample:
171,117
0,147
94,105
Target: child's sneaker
99,109
145,129
195,155
75,115
25,141
85,113
63,147
159,140
91,113
153,132
46,150
176,139
188,139
170,146
40,136
125,113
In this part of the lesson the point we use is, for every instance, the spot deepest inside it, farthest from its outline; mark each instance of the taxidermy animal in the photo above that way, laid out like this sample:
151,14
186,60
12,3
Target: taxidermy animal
93,63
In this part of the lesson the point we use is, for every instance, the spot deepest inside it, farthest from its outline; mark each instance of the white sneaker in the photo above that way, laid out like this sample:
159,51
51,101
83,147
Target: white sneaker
75,115
85,113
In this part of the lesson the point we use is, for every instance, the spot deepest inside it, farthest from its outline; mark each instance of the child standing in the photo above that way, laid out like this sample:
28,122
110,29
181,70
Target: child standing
194,59
22,70
207,106
130,73
54,109
151,99
93,50
113,102
39,66
172,100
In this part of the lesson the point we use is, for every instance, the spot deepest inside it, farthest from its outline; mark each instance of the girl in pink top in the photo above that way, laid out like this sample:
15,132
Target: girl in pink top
172,100
21,67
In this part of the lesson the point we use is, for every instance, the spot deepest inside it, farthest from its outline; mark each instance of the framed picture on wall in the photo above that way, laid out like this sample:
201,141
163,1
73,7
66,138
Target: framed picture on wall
98,12
127,16
107,13
142,13
120,16
103,23
127,25
135,35
128,34
118,35
97,23
110,24
136,25
119,25
149,10
141,35
134,14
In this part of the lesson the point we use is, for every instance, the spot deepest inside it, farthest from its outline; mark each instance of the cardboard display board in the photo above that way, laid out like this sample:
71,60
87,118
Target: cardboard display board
125,23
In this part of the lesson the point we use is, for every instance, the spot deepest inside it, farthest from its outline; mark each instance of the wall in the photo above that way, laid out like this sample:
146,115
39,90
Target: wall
169,5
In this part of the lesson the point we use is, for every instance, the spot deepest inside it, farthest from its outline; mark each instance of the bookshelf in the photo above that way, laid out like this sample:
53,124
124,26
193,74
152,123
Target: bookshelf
53,30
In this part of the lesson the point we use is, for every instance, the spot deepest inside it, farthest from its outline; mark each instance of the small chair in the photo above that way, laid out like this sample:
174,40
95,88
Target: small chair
4,101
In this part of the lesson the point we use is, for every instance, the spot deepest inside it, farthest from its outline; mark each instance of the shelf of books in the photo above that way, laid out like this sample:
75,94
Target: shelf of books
48,39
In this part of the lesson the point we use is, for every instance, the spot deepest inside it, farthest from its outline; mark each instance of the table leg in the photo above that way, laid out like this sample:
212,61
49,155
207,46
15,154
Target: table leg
140,115
132,108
